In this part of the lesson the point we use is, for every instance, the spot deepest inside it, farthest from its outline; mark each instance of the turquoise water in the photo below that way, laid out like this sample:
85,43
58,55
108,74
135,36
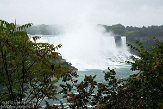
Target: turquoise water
122,71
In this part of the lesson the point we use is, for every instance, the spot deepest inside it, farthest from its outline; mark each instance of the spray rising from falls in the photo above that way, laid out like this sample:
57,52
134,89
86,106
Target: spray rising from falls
89,47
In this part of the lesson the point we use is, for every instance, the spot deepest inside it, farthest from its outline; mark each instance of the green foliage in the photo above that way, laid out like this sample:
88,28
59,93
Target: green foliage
143,90
89,92
150,77
28,70
131,31
117,29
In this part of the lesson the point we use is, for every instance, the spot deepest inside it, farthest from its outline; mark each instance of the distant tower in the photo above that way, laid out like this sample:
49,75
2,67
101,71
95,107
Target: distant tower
15,21
15,24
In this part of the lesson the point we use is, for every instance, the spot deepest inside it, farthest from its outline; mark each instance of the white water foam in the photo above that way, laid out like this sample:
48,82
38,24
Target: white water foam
88,47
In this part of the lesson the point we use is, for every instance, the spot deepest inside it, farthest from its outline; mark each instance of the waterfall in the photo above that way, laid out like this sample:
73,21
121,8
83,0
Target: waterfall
88,47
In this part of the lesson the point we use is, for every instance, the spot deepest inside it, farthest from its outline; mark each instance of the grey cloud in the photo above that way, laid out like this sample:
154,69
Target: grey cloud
127,12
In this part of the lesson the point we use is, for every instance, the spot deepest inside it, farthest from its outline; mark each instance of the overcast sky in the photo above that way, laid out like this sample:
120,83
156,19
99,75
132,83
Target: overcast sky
126,12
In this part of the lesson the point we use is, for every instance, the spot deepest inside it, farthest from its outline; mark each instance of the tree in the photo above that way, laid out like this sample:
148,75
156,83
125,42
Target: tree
143,90
117,29
89,92
150,76
28,70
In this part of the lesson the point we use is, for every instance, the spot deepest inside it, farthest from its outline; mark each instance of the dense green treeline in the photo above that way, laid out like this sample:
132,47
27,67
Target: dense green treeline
131,31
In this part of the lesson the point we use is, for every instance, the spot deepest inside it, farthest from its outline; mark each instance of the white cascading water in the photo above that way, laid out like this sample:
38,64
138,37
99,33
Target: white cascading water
87,46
